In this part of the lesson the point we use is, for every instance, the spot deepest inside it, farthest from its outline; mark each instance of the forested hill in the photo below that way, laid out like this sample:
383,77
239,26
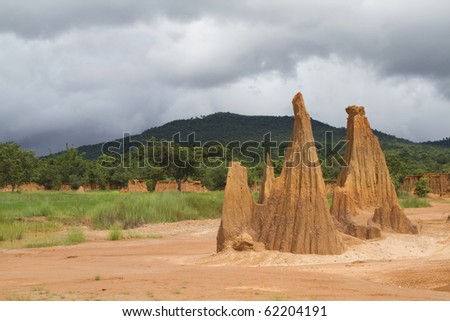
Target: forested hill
226,127
444,142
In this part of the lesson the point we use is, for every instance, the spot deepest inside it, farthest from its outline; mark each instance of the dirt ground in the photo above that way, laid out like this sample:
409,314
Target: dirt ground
182,265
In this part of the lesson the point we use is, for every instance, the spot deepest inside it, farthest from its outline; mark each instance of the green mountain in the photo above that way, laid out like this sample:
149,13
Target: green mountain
444,142
226,127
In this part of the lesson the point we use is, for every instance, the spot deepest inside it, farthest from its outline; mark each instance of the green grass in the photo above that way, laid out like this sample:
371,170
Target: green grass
413,202
407,200
330,199
139,209
39,219
75,236
142,236
11,231
115,233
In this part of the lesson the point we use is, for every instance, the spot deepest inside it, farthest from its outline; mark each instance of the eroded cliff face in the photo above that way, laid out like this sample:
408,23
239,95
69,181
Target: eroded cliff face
365,201
294,215
135,186
439,184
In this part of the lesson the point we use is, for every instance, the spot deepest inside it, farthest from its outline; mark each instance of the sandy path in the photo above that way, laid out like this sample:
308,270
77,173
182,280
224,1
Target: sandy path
183,266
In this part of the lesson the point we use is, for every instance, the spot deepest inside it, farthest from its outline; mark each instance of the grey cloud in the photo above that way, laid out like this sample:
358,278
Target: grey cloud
111,66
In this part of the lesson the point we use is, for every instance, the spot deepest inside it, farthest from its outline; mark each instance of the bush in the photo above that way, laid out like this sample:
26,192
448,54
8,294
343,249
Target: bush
421,188
75,236
11,231
115,233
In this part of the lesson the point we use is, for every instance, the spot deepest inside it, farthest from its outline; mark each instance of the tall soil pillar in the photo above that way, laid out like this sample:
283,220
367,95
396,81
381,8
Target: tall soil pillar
365,200
237,209
295,217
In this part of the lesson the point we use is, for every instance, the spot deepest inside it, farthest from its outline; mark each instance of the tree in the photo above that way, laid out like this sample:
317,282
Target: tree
183,163
17,166
72,167
68,167
421,188
214,178
48,174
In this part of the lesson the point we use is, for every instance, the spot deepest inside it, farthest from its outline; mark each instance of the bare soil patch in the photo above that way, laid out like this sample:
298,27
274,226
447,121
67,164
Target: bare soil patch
183,265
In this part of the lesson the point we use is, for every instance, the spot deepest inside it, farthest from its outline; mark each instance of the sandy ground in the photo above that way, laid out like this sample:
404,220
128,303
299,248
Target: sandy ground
182,265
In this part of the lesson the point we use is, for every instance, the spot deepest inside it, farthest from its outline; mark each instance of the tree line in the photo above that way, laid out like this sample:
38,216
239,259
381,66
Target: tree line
172,161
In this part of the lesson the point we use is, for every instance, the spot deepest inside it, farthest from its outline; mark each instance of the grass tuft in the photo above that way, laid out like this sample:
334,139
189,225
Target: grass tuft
75,236
414,202
12,231
115,233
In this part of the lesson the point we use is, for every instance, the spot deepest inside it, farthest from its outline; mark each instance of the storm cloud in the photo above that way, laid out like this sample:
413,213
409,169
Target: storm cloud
85,71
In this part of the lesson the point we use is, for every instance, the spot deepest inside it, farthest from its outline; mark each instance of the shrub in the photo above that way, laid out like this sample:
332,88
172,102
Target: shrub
421,188
75,236
115,233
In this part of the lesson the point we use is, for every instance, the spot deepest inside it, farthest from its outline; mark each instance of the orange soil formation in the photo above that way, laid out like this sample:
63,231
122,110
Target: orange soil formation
267,181
365,201
187,186
96,187
33,187
294,216
135,186
26,187
65,188
330,185
438,184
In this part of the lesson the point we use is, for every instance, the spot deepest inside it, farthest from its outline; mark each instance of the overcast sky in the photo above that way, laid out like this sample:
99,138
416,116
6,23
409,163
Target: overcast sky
85,71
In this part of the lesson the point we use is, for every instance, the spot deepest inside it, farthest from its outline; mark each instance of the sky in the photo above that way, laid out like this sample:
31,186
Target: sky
82,72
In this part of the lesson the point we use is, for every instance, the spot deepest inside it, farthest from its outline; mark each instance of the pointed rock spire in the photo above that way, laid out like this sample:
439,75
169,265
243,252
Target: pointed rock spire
237,209
294,216
365,200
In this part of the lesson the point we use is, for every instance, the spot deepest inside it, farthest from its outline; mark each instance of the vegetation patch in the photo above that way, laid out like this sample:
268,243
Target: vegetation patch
39,219
115,233
139,209
142,236
414,202
75,236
